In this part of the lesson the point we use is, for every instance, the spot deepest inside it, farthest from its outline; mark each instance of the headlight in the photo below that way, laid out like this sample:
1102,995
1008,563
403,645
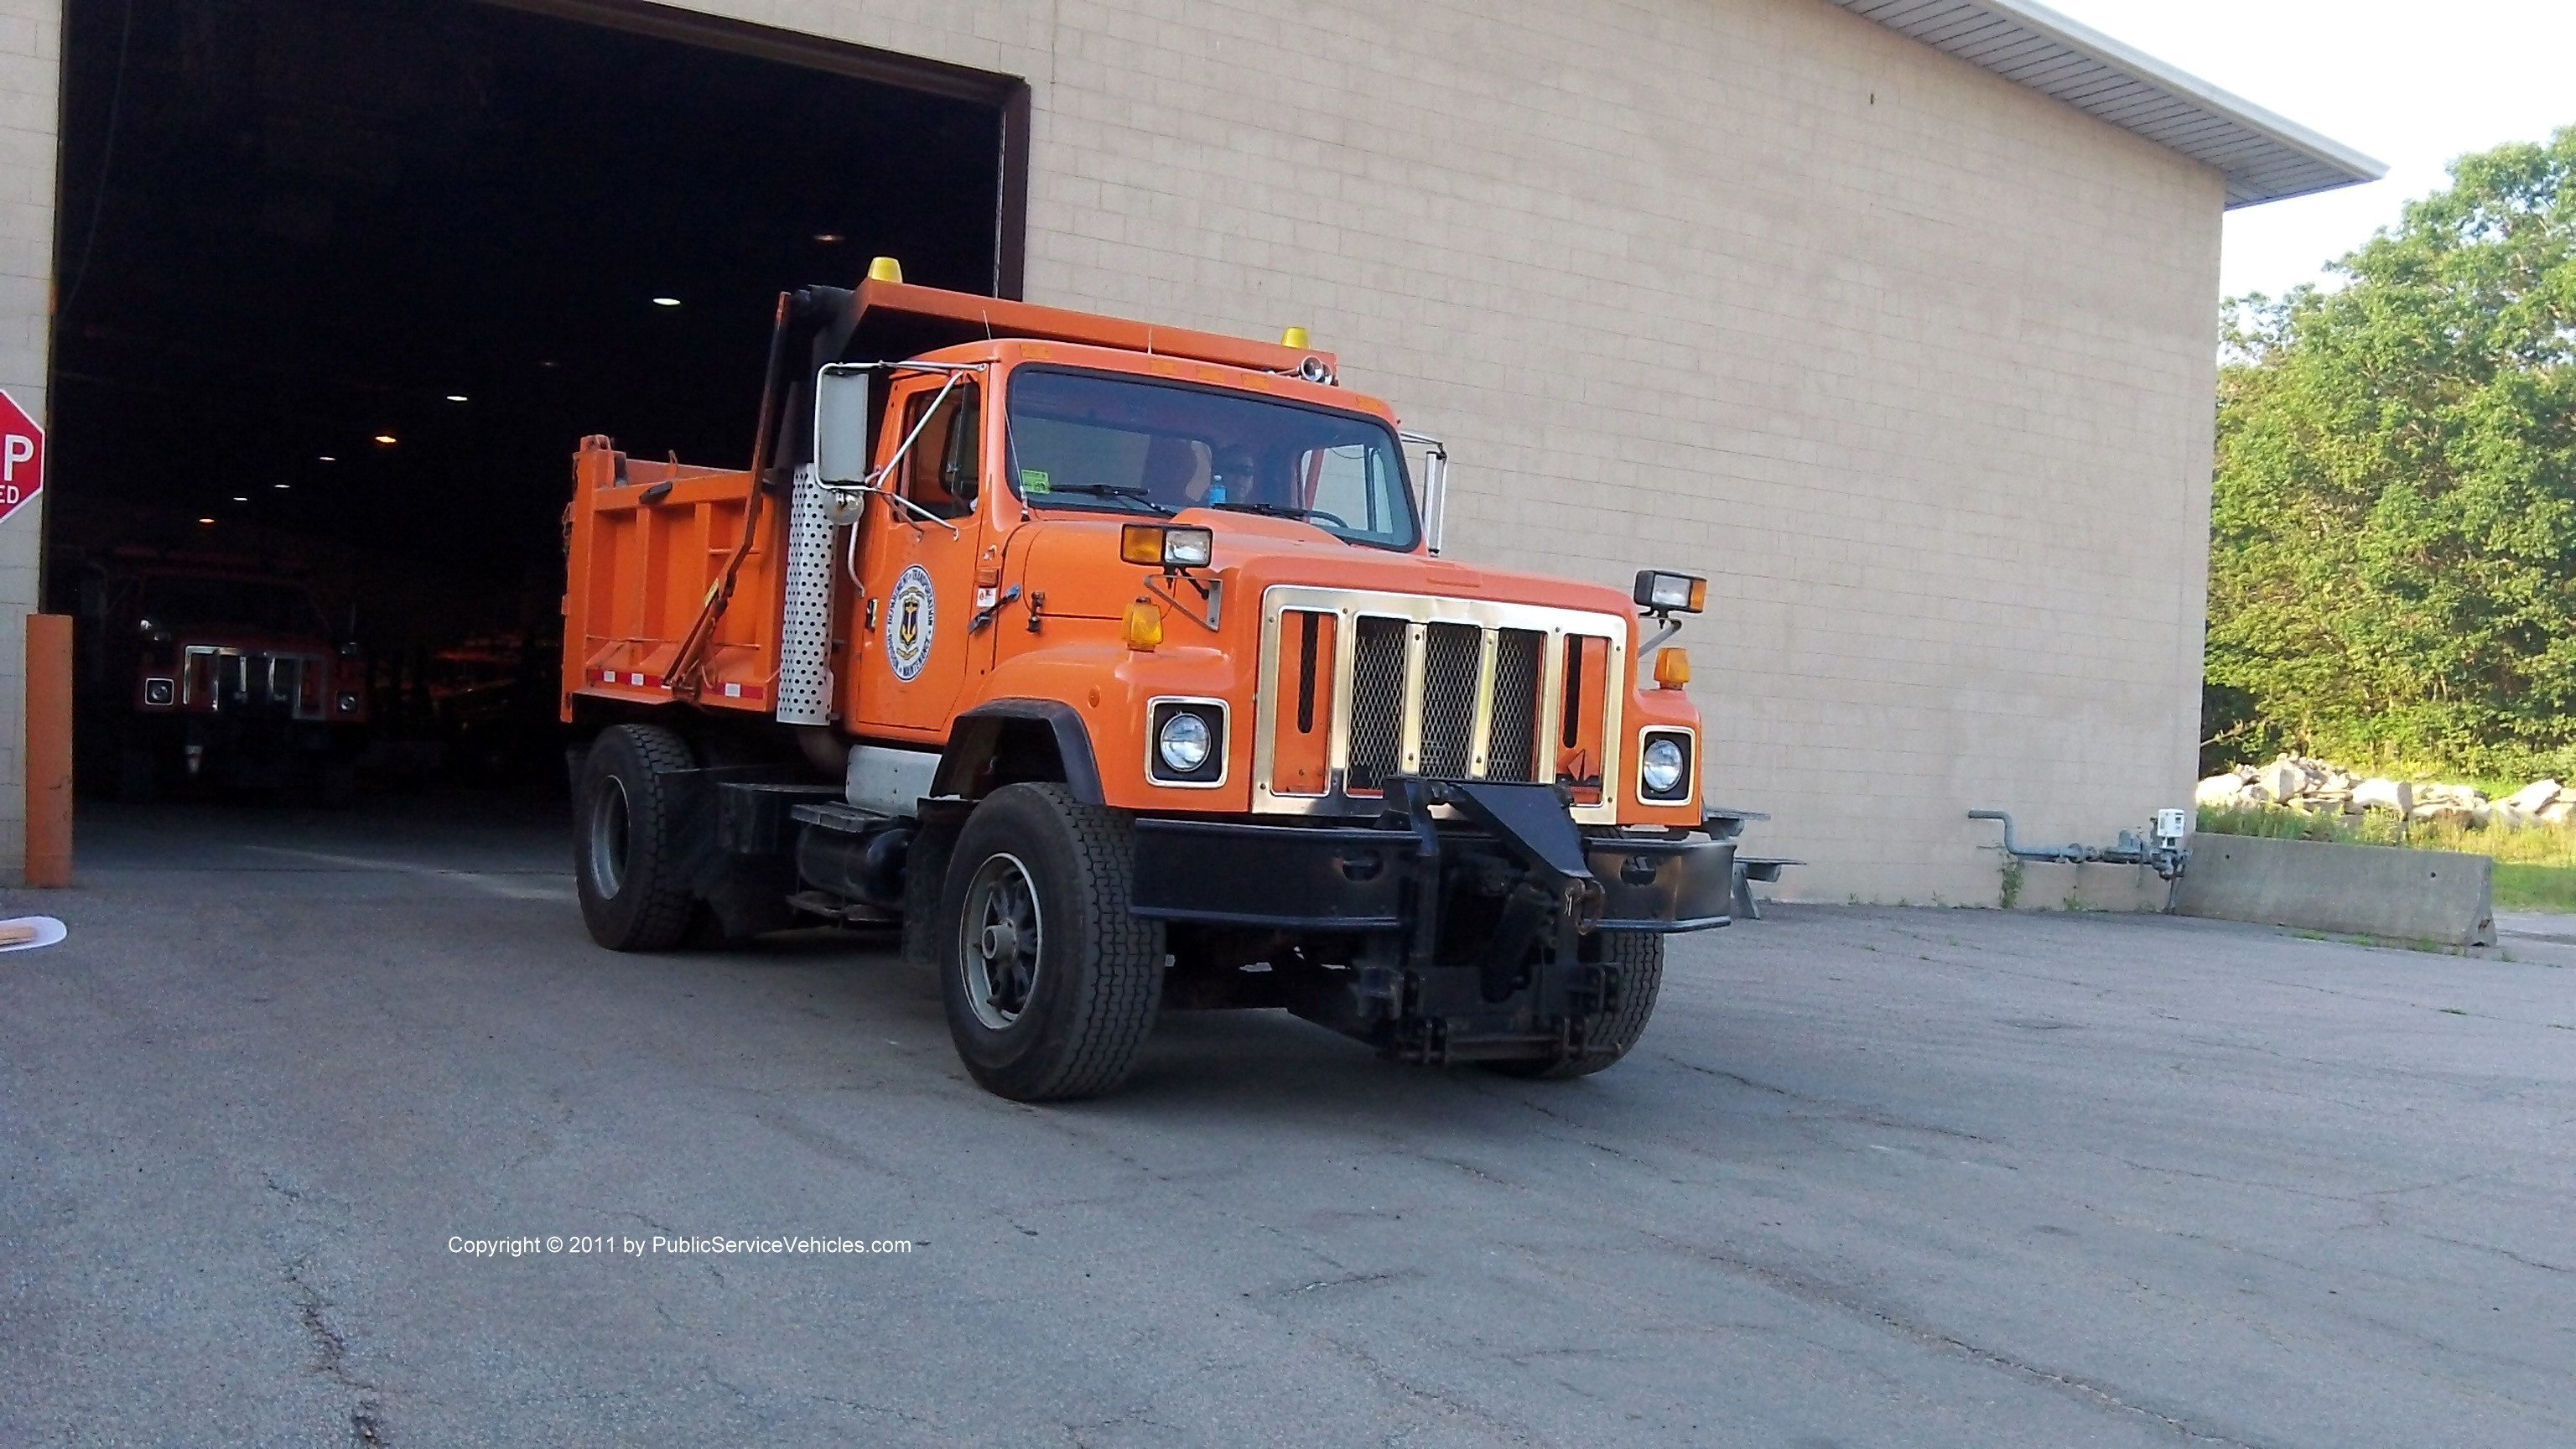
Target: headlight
1184,741
1663,768
1666,593
1189,742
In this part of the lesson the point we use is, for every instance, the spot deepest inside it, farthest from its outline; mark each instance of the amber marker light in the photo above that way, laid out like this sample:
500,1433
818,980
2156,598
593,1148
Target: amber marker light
1143,626
1672,668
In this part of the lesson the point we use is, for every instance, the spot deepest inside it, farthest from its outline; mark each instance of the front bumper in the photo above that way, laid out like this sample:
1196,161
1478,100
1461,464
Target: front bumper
1368,879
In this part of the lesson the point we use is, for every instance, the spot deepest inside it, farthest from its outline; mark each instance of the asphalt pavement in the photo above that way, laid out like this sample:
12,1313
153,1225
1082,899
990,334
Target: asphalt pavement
1873,1177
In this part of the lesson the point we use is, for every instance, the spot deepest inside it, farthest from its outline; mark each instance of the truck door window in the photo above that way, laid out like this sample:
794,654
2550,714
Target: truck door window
944,468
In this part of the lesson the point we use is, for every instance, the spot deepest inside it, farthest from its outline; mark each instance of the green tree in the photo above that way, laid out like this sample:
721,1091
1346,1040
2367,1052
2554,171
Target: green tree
2393,532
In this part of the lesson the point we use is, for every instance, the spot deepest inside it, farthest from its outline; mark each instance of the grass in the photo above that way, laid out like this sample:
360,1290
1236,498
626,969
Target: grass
2535,866
2520,887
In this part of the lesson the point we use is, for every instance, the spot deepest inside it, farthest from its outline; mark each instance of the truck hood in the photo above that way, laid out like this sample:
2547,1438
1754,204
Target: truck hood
1078,559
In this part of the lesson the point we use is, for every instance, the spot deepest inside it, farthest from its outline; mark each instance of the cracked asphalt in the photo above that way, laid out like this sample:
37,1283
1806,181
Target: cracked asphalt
1874,1177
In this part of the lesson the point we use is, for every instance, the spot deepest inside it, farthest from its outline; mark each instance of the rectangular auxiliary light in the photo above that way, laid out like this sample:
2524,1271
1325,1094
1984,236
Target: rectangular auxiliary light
1157,545
1671,593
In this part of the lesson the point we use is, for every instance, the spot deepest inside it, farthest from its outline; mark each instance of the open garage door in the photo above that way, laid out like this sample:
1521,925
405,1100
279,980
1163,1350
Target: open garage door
341,285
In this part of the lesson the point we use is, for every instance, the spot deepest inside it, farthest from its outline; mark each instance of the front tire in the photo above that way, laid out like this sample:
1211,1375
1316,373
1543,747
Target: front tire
1051,984
1638,957
623,847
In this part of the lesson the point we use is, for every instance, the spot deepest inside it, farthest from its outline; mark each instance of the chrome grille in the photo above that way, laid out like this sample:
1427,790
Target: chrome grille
1449,660
1377,702
252,682
1512,753
1445,687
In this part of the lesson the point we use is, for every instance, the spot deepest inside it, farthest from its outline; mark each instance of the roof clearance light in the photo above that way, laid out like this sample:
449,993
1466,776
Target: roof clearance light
1158,546
1666,593
885,269
1295,337
1672,668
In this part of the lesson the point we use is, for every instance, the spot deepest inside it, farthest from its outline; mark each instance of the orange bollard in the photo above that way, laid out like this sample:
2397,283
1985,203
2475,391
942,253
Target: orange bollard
49,749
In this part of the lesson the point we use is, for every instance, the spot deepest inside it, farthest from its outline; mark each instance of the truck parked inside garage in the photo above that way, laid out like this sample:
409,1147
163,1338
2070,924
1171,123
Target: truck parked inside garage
208,669
1117,663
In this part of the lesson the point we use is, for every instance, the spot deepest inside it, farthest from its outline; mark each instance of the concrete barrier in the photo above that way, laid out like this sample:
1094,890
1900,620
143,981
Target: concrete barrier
2361,890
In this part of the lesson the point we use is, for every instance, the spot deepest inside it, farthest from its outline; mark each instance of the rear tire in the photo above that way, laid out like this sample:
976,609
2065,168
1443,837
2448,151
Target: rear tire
1638,957
1051,984
631,898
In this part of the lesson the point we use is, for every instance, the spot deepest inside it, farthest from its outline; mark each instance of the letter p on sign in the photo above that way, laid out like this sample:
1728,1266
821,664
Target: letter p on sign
22,456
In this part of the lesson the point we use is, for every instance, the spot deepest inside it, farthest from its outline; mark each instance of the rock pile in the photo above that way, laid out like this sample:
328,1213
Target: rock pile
2319,788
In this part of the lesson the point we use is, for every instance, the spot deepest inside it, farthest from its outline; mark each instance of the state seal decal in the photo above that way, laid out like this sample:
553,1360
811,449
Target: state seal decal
912,621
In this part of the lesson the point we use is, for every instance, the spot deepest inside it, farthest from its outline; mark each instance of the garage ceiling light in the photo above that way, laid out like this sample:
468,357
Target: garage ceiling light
237,498
327,458
385,438
456,397
279,486
666,301
208,522
828,238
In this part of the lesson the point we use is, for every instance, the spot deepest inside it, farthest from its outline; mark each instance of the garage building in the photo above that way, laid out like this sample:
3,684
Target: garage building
1894,316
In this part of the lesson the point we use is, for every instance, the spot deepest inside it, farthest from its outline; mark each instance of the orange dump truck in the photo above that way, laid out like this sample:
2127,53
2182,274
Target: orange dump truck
1117,664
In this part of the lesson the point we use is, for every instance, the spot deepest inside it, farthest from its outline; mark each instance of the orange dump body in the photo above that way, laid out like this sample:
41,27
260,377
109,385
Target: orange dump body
940,604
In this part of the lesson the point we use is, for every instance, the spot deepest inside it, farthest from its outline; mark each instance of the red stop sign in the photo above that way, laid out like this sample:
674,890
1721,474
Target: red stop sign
22,456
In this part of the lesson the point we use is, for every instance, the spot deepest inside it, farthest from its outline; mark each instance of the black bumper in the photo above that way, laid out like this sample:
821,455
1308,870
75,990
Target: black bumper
1368,878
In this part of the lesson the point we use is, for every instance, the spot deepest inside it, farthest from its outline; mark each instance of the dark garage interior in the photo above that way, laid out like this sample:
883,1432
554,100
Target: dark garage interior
343,283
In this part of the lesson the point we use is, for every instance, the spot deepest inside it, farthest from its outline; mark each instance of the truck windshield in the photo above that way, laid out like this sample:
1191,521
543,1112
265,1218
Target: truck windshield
1130,445
204,603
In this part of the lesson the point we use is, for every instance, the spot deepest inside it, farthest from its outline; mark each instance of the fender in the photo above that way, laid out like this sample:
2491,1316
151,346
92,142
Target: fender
980,735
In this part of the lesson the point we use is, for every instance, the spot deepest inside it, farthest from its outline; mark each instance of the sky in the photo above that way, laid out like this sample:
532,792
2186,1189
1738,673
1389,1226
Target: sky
2411,84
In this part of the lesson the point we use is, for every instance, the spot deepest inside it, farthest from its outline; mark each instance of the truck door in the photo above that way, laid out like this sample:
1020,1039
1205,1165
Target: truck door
919,570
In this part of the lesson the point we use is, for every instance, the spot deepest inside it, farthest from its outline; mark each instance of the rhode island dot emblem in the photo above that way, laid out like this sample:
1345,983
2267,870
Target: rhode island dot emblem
912,618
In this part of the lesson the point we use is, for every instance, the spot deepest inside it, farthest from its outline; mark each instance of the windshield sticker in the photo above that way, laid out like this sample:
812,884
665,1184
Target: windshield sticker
1033,481
912,620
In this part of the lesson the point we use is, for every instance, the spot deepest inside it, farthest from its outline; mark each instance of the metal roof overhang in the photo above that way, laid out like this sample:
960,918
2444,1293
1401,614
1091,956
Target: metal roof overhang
2264,157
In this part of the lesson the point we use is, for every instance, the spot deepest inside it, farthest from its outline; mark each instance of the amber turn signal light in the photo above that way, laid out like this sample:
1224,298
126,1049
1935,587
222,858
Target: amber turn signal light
1161,546
1672,668
1143,626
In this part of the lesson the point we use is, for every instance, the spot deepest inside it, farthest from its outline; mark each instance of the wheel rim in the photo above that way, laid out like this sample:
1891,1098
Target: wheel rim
608,828
1001,936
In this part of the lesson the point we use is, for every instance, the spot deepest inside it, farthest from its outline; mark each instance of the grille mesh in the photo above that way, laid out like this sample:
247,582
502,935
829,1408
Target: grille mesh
1511,752
1449,699
1377,701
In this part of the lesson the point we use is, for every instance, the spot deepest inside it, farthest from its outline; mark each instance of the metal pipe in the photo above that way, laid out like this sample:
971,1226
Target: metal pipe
2166,860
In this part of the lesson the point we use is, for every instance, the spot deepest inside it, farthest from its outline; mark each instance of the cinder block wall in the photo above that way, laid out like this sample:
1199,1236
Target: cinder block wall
31,48
1918,363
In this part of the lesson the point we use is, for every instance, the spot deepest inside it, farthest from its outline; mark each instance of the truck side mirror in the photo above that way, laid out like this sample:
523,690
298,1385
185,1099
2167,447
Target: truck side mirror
841,424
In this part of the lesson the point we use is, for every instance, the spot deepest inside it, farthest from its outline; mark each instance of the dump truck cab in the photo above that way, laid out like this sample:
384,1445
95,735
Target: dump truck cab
1116,664
219,670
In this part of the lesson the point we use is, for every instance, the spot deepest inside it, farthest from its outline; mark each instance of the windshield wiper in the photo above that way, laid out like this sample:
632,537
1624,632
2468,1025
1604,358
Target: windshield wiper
1109,490
1280,510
